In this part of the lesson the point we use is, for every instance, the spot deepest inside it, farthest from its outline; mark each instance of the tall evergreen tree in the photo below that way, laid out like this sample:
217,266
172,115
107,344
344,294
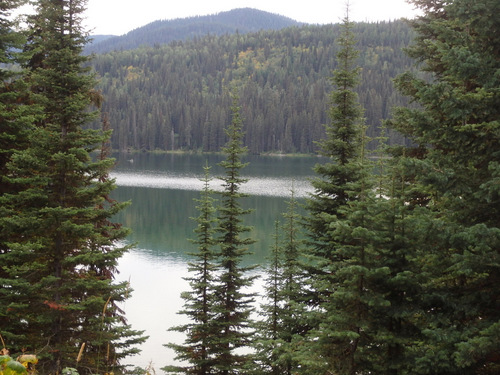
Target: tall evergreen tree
455,161
201,331
15,118
268,329
341,145
283,314
395,281
341,231
235,304
57,289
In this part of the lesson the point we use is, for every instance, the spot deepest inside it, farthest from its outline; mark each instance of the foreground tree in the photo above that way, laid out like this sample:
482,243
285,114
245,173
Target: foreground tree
332,190
57,291
234,303
345,264
456,166
284,311
267,341
202,330
15,116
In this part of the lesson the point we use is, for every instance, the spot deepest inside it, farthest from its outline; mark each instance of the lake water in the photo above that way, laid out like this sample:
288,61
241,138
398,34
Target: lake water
162,189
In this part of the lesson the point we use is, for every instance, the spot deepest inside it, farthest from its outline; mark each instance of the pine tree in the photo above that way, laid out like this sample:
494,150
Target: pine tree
283,324
455,162
201,331
235,305
342,234
268,329
292,324
62,249
14,118
340,145
399,284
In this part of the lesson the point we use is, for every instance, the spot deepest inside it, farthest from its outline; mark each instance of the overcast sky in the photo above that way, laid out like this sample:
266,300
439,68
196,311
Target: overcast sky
118,17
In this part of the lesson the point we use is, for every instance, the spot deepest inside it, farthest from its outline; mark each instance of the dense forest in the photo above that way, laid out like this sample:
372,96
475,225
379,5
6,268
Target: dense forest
393,272
175,96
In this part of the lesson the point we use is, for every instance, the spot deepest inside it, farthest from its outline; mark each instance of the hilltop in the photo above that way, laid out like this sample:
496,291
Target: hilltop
242,21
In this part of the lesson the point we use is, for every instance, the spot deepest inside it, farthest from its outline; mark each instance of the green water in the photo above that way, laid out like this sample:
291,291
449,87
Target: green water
162,189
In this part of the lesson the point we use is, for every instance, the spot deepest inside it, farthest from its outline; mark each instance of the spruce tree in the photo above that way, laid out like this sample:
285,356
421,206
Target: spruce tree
62,249
340,146
16,120
344,263
283,316
234,303
268,328
199,301
13,125
455,161
293,326
16,117
398,285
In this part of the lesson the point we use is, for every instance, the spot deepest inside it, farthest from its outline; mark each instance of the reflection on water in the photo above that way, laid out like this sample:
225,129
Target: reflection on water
255,186
157,284
162,189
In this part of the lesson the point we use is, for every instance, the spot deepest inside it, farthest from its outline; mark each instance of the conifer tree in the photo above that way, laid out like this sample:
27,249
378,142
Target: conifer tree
201,331
235,304
398,284
341,231
57,289
293,326
340,145
15,121
283,322
15,118
455,161
268,329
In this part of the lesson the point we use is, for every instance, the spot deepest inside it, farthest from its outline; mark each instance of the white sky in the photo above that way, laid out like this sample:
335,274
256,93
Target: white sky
121,16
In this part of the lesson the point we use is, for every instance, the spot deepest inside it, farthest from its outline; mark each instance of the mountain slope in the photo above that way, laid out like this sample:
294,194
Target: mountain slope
176,96
161,32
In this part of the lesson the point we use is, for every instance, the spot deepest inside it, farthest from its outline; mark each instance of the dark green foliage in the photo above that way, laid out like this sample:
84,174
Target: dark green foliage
268,329
455,167
338,228
342,146
234,304
283,315
60,247
393,280
174,96
15,118
198,349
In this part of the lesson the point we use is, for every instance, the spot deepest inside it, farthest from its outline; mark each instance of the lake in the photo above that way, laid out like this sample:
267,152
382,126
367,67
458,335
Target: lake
162,189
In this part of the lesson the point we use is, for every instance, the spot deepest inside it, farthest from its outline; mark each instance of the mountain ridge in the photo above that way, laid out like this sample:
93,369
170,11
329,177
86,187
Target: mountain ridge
160,32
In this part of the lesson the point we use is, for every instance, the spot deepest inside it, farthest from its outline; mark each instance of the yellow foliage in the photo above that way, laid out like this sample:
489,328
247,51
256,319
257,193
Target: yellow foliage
133,73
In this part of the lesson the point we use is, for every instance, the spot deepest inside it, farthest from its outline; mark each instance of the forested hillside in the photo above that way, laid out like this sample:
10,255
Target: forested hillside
175,96
242,21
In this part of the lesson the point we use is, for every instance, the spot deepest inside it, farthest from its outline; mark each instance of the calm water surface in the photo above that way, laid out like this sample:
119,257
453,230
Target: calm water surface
162,189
